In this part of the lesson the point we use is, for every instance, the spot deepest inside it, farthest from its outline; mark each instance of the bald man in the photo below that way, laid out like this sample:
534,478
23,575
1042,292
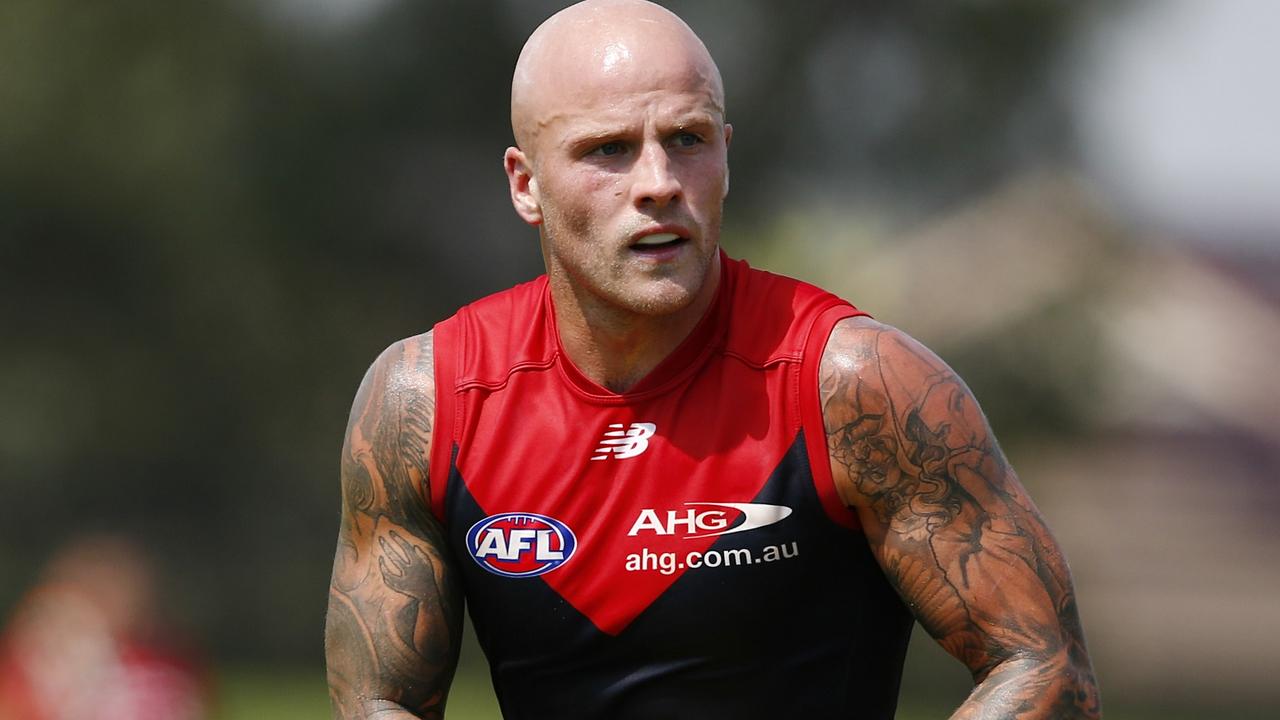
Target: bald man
668,484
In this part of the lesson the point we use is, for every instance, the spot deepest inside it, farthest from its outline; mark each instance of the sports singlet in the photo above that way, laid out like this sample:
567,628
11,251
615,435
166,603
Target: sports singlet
675,551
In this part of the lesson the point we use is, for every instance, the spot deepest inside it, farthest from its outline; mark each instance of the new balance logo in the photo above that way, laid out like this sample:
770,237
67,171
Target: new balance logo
622,442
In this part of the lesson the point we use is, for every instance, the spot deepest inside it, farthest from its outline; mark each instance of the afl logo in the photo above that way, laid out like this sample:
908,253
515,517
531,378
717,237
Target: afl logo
520,544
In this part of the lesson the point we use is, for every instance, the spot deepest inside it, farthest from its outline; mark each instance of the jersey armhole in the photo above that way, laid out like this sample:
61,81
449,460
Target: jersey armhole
811,420
447,346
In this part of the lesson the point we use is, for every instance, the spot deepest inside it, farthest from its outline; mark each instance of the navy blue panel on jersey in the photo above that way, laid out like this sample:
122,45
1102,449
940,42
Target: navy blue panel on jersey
796,621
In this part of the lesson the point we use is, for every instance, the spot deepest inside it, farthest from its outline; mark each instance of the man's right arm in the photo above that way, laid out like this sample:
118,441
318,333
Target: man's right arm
395,604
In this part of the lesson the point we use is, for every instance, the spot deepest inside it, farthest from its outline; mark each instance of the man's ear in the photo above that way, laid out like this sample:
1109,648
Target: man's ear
523,185
728,137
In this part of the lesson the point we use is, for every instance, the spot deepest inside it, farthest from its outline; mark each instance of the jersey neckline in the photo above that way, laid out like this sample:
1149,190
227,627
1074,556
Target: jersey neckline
674,369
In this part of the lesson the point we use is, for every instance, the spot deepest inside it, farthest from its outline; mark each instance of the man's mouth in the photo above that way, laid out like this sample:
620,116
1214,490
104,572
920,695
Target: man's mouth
658,241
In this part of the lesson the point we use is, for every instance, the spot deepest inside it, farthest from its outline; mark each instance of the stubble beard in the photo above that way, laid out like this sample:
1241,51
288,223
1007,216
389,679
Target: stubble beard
608,282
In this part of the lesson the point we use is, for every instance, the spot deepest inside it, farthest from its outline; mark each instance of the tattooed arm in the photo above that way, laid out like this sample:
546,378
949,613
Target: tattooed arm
951,525
395,606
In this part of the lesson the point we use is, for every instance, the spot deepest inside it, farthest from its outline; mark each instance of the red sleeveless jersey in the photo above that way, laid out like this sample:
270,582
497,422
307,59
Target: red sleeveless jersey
677,550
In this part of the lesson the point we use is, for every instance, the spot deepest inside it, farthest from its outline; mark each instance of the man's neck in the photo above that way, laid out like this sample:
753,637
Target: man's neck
616,348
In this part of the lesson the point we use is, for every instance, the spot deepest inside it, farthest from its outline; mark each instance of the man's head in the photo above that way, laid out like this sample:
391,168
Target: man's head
621,154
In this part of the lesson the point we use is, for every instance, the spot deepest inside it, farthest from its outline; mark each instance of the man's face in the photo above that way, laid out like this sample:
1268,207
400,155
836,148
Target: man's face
629,173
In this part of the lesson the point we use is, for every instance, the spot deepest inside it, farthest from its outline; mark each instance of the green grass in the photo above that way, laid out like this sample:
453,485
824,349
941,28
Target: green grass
249,693
933,685
271,693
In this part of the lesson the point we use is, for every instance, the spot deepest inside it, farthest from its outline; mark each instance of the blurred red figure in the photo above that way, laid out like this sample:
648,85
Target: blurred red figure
86,643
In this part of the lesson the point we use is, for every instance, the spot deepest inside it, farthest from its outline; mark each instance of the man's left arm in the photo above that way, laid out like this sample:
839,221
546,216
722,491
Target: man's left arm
951,525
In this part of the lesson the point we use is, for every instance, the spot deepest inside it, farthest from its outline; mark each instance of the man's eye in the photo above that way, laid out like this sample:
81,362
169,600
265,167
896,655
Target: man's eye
609,149
685,139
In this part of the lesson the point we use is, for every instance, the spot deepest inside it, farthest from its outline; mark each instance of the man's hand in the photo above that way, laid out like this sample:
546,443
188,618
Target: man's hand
951,525
395,607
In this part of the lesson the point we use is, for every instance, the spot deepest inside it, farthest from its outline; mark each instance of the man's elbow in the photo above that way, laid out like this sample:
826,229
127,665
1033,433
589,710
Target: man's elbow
1074,688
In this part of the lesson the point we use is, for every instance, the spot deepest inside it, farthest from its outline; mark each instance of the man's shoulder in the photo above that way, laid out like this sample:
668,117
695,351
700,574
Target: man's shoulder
868,363
487,338
862,346
774,315
773,287
513,303
855,340
404,368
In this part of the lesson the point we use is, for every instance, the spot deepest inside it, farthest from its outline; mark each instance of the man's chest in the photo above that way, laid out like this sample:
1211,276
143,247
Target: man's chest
610,504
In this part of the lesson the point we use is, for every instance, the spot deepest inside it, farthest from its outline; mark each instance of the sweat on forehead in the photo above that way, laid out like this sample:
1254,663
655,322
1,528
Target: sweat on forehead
585,48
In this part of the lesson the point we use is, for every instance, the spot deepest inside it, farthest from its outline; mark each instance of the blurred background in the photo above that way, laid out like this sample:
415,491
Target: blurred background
213,215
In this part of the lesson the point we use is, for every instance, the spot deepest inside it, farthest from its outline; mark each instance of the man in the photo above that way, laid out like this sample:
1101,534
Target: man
671,485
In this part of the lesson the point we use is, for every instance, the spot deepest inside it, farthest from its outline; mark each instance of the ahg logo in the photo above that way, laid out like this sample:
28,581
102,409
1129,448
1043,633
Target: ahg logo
625,443
708,519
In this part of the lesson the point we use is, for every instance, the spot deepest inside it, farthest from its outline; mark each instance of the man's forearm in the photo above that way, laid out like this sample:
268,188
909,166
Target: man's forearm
391,639
1033,689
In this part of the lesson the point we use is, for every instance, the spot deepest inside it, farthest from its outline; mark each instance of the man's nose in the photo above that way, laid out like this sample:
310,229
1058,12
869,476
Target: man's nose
655,183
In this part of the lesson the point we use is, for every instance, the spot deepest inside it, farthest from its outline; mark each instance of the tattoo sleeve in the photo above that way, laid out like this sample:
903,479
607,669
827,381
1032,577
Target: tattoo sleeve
952,527
395,607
